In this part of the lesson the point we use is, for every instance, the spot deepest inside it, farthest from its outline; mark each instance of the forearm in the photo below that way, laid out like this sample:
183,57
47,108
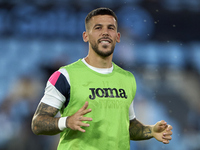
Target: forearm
138,131
45,125
44,122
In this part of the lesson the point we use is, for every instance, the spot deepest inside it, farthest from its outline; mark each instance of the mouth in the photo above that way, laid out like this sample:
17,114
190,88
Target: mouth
104,40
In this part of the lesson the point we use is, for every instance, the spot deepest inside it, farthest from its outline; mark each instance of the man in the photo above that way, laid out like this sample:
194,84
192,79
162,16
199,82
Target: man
95,97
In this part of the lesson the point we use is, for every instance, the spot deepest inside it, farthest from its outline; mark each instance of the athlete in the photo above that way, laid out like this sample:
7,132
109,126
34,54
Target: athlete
95,97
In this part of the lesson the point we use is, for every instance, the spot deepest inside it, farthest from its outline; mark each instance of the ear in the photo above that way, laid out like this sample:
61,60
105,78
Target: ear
85,36
118,37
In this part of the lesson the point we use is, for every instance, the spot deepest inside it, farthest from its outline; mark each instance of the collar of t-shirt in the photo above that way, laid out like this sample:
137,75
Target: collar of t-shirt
99,70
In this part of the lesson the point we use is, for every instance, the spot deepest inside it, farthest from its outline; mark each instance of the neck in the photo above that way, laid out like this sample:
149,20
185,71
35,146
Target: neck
98,61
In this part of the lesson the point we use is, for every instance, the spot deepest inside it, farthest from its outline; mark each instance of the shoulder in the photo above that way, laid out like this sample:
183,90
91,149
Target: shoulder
122,71
76,64
125,74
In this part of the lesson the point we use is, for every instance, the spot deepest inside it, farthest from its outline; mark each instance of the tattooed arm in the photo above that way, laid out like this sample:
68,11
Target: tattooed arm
44,122
138,131
160,131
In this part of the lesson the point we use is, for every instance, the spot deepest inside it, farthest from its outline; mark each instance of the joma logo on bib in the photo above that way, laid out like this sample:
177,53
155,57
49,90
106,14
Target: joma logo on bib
107,92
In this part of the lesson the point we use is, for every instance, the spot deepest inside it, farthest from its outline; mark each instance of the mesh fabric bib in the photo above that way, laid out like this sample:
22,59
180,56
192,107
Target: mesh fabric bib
109,97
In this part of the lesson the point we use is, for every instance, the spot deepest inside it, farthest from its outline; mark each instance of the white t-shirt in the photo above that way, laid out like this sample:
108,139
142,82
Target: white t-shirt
57,91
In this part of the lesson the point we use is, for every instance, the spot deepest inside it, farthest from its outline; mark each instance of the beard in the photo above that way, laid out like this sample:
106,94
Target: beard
102,53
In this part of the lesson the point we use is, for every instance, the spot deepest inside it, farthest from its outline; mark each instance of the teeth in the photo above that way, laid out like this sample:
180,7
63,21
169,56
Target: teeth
104,42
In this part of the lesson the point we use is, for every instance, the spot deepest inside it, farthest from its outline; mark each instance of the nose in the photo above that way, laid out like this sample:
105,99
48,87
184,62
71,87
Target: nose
105,32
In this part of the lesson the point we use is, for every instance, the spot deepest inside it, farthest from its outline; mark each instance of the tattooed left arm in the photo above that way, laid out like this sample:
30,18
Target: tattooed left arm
160,131
138,131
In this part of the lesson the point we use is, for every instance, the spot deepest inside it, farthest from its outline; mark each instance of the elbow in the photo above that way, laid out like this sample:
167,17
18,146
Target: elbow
34,130
34,127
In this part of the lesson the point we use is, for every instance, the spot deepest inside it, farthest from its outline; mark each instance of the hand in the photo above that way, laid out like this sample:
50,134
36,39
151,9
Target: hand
162,132
74,122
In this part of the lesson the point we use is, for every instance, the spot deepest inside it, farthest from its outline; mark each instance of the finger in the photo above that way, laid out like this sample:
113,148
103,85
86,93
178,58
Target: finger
166,142
84,106
83,124
80,129
85,111
162,122
169,127
85,119
167,137
162,125
167,133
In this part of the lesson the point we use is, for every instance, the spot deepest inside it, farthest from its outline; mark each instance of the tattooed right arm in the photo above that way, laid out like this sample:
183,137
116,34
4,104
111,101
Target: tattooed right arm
44,122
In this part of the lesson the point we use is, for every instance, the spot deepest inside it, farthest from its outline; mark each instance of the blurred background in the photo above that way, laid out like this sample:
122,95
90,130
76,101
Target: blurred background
160,45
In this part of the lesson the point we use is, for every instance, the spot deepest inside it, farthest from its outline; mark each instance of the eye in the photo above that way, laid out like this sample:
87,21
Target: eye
112,28
97,28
